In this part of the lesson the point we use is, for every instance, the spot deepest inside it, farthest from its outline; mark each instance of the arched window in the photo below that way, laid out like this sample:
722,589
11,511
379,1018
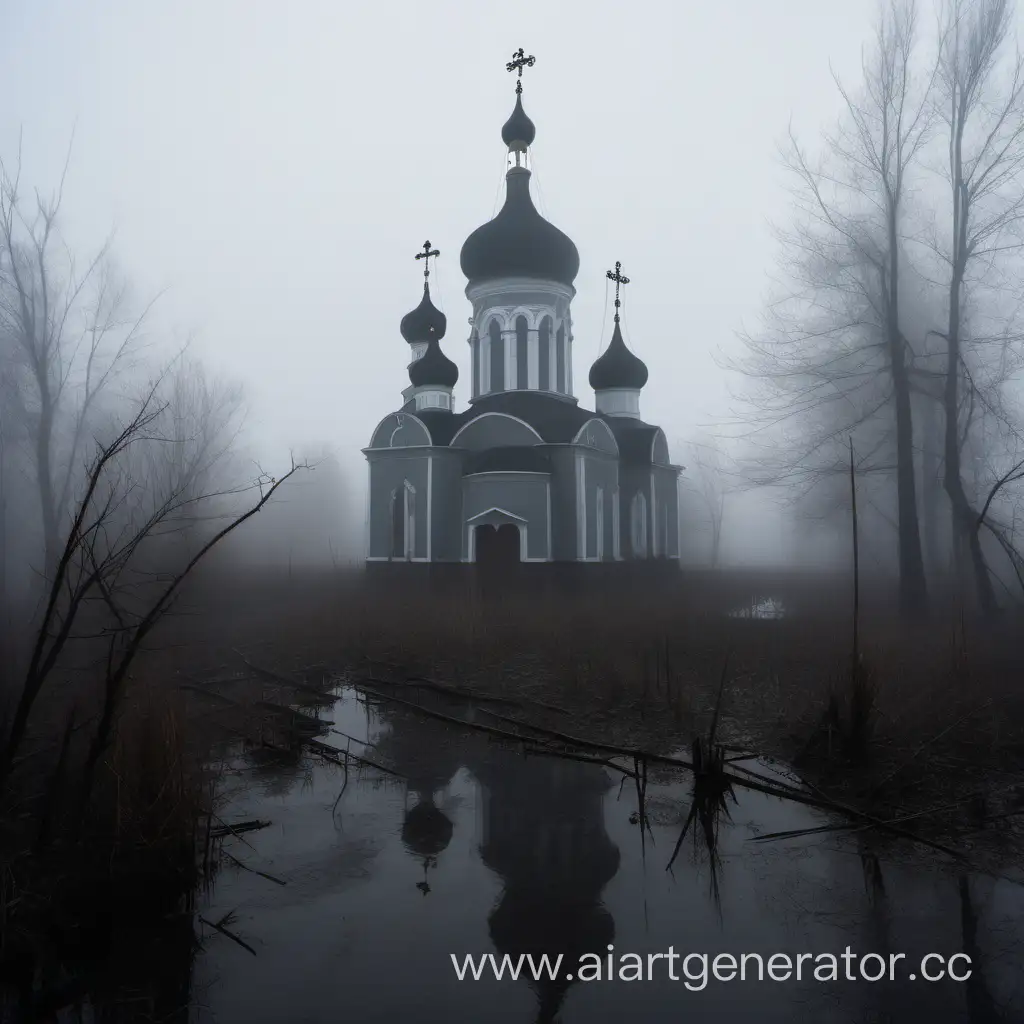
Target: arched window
403,522
474,348
616,526
560,385
497,356
599,523
410,520
522,353
544,354
639,525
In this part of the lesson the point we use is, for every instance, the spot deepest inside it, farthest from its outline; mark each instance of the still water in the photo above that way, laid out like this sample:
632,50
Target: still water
479,849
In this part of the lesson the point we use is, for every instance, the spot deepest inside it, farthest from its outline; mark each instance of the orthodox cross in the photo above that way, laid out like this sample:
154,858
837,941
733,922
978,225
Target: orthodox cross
517,63
425,255
617,276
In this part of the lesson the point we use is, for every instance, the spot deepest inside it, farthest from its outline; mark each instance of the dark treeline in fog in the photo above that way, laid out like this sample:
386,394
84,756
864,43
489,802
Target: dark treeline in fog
120,467
896,315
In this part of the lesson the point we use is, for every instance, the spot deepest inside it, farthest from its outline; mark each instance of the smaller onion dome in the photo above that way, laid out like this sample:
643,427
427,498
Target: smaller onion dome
518,132
425,322
434,367
617,367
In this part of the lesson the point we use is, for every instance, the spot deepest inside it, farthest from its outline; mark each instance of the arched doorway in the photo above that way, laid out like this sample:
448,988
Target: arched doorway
497,546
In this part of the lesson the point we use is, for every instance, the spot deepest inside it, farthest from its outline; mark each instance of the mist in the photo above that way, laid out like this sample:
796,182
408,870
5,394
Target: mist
328,682
271,180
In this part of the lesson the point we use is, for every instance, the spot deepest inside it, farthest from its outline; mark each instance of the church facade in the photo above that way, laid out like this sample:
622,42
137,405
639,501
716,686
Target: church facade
524,473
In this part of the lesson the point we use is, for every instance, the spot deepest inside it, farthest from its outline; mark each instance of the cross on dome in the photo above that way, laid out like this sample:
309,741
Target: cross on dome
517,63
425,255
617,276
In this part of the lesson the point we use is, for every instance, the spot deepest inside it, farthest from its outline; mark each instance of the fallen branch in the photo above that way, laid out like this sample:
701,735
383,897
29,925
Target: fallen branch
245,867
220,831
502,733
750,780
295,684
217,926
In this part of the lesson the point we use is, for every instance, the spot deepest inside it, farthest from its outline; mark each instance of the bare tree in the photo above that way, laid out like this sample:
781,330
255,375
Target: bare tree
833,358
984,122
708,481
69,332
103,582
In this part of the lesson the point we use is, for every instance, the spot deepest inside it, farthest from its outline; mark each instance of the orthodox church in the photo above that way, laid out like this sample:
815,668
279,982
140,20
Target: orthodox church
524,473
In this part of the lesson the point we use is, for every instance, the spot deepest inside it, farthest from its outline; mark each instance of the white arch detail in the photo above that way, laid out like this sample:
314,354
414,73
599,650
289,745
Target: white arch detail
604,426
659,433
502,415
400,416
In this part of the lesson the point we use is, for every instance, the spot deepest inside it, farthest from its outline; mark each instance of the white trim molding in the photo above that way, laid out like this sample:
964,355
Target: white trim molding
551,554
483,416
400,416
496,517
585,436
581,508
616,527
430,506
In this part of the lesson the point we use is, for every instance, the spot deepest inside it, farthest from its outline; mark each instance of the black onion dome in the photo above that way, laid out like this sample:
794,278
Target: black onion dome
617,367
433,367
518,128
426,321
519,242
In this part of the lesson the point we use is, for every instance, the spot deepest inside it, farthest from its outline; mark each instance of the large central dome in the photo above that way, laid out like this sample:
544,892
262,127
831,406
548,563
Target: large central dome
519,242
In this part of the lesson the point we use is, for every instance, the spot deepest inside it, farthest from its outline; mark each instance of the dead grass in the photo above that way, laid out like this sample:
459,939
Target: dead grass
934,705
85,881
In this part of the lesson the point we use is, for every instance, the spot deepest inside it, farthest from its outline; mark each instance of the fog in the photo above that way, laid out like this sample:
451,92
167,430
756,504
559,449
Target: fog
271,174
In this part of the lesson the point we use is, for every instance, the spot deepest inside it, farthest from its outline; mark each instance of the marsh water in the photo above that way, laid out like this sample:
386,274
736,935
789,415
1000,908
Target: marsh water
474,848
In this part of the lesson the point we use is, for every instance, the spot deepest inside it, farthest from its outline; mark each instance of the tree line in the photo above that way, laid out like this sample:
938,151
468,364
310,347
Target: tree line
895,317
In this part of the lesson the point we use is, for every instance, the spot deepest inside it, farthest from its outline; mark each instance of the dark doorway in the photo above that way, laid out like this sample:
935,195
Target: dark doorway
497,548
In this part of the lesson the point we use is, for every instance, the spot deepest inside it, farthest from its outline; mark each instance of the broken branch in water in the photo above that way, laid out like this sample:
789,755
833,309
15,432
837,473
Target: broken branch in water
218,926
464,693
295,684
519,739
219,831
245,867
749,780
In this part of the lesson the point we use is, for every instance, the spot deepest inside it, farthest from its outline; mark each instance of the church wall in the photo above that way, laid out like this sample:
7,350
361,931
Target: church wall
563,503
599,472
495,430
399,430
447,519
389,474
667,493
522,494
632,480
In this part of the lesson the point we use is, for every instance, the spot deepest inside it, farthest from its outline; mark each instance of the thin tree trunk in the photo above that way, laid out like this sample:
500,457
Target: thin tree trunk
964,516
44,473
913,590
930,487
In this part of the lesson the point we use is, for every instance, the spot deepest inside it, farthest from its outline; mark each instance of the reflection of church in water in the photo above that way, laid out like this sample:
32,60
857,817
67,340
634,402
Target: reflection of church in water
542,834
524,474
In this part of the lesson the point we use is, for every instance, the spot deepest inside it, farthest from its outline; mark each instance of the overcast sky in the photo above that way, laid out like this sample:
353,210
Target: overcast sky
275,167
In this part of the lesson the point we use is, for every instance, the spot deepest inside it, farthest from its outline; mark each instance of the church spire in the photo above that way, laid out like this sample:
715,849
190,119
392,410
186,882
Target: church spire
431,373
617,375
426,321
519,131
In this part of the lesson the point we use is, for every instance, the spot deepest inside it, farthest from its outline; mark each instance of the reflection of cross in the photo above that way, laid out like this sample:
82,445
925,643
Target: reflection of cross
517,63
617,276
425,255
